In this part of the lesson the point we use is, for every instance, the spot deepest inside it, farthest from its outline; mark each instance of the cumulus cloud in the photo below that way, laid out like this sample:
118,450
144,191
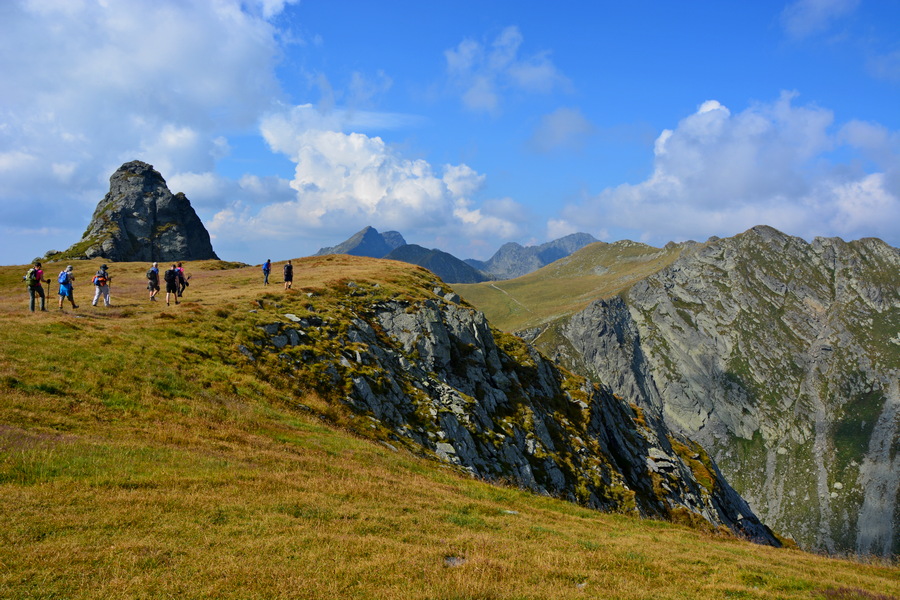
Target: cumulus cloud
483,72
720,173
803,18
563,129
90,85
345,181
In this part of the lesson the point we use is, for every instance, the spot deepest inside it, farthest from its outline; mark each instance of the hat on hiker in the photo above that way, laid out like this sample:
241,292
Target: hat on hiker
69,268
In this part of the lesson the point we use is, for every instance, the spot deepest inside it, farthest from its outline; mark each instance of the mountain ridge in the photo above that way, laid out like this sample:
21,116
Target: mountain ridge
511,259
777,355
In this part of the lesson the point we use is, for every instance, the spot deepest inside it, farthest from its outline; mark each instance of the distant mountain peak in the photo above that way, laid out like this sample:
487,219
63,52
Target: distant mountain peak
514,260
366,242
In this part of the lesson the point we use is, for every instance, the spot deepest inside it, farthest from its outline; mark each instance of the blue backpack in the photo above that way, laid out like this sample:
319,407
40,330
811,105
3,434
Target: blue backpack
63,278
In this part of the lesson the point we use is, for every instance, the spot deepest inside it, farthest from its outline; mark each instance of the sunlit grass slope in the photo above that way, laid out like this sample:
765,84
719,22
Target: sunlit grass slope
143,456
568,285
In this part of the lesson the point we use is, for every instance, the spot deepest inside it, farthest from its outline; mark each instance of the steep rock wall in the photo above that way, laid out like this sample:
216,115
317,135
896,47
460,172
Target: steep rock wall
781,358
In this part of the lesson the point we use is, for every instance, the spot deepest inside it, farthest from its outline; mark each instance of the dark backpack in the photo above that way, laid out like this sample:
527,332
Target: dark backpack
152,275
31,277
170,276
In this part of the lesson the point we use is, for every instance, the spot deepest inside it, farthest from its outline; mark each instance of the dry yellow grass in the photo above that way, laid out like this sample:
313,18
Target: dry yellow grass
566,286
142,457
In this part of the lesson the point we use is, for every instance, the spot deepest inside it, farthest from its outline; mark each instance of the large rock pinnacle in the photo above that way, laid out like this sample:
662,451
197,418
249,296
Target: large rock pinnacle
141,220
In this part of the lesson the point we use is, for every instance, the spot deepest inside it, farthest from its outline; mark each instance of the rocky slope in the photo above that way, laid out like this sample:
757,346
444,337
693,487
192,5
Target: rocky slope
782,358
139,219
431,373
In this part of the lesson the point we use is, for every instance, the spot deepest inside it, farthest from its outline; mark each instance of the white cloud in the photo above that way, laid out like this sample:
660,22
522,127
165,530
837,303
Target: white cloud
886,66
803,18
565,128
346,181
90,85
865,205
483,73
719,173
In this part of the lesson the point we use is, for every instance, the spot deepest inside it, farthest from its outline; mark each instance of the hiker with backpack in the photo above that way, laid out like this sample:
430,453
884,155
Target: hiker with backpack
172,278
182,279
267,268
101,286
153,281
66,286
288,275
33,279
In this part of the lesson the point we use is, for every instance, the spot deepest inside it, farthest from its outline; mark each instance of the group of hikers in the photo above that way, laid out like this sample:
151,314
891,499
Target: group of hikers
175,279
288,271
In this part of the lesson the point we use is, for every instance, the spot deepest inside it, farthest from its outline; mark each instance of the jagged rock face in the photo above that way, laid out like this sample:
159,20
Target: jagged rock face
782,358
433,373
141,220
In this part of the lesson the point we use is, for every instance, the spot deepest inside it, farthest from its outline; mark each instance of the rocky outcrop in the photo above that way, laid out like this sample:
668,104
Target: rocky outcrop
434,374
782,358
141,220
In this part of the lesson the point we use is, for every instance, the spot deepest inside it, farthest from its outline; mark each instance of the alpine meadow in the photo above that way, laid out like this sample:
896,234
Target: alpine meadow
154,452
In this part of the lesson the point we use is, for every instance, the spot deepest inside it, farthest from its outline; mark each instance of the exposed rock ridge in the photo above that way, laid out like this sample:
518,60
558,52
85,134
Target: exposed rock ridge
782,358
436,374
139,219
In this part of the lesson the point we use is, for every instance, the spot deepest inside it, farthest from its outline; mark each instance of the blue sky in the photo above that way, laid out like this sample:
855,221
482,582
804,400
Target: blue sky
463,125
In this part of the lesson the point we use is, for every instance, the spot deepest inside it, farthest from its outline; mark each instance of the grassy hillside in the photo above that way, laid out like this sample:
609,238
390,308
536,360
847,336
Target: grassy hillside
142,455
566,286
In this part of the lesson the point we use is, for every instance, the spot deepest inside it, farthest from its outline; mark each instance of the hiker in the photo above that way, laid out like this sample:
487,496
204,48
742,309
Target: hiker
267,268
153,281
171,278
182,279
101,286
66,287
288,275
33,279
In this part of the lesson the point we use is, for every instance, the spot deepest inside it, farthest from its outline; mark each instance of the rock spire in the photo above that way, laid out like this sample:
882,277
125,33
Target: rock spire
139,219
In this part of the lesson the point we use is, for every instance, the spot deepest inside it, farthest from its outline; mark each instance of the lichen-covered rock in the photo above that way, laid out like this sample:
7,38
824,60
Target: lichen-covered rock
436,374
139,219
